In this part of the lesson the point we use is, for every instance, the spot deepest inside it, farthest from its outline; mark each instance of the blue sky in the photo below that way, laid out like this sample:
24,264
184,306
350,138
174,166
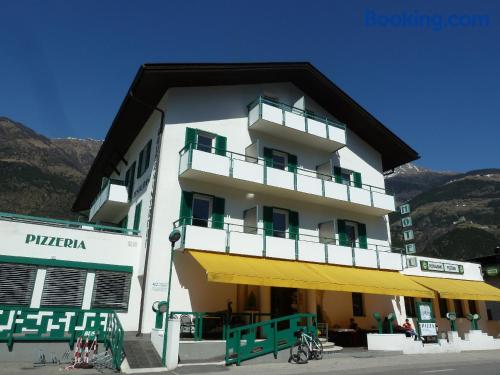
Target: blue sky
65,66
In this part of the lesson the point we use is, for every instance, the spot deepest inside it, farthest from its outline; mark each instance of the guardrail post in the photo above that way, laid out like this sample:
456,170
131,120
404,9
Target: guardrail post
353,256
227,238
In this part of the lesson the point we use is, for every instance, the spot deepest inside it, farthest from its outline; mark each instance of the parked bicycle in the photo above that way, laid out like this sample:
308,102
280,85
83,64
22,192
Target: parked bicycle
305,348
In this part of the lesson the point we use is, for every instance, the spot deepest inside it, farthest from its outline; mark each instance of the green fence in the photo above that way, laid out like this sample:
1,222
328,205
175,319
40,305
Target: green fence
22,324
271,336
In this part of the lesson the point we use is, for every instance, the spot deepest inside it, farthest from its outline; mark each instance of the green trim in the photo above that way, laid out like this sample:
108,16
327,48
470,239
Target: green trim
137,215
65,263
343,240
218,208
362,238
69,224
356,177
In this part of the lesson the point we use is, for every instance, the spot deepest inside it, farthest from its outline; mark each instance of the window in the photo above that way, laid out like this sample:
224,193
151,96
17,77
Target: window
111,290
347,177
459,309
129,179
202,210
63,287
205,142
137,216
357,305
280,160
147,155
472,307
443,307
352,234
411,311
280,223
16,283
250,220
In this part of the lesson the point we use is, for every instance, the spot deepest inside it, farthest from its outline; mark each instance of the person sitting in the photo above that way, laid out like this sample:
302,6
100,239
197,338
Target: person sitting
409,331
353,325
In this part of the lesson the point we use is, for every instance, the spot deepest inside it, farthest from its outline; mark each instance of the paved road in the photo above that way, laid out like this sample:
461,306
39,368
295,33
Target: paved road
468,363
476,363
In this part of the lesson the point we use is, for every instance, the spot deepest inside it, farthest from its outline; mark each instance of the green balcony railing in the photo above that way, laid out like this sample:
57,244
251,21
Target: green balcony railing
299,238
301,112
233,156
65,223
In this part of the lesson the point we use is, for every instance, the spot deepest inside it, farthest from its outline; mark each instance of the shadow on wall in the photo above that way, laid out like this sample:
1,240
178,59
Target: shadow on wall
204,296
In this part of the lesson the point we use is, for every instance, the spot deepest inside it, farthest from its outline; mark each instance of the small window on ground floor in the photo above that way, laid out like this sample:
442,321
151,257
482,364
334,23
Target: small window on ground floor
472,307
443,307
459,308
411,311
111,290
16,283
63,287
358,308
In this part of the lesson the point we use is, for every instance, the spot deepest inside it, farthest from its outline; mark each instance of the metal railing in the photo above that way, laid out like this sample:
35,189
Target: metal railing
301,112
57,324
270,336
65,223
298,171
299,238
198,318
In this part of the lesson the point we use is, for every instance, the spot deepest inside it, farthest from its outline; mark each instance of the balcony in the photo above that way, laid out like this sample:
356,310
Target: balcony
250,241
111,203
297,125
251,174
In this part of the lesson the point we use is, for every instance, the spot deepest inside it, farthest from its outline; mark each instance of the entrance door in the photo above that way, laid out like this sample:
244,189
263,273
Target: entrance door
283,301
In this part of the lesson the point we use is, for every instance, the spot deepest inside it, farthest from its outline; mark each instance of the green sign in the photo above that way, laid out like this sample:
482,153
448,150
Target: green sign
404,209
429,266
426,319
40,240
492,271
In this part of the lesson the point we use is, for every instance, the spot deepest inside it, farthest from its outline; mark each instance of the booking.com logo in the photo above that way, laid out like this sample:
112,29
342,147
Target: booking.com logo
416,19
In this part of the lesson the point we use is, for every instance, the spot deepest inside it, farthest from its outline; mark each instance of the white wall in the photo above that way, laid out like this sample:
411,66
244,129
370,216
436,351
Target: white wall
100,247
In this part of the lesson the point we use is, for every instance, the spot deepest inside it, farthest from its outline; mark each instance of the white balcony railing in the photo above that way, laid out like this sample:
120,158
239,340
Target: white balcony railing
111,202
271,116
251,241
252,173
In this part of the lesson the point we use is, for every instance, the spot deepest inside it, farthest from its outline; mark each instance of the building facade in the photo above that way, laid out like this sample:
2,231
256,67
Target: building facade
274,178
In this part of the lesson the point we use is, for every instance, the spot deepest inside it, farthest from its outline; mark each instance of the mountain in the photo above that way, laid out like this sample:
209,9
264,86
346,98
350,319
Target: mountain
455,215
41,176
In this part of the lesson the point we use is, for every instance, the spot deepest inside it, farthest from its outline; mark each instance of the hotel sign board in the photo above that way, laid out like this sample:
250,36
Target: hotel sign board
429,266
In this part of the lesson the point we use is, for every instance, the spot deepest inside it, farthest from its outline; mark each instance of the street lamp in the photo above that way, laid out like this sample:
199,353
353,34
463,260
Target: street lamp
173,237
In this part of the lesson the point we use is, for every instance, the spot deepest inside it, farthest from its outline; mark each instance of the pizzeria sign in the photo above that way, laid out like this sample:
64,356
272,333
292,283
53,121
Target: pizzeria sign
429,266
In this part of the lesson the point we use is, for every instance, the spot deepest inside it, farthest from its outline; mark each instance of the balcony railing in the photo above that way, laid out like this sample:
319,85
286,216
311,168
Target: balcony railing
252,241
270,116
111,202
65,223
251,172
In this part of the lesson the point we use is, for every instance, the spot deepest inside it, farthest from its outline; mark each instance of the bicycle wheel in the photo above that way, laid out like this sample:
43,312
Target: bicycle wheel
317,349
299,353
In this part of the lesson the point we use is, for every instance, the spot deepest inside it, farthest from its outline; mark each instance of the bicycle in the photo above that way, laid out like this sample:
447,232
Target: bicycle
306,347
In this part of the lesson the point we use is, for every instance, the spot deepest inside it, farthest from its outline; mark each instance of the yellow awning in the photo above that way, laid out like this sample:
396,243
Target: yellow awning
234,269
460,289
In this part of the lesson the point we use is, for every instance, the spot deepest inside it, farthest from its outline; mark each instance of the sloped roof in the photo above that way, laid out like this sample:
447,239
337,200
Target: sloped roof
152,81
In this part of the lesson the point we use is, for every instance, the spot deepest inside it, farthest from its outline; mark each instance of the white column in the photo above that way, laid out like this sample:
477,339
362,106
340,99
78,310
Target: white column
36,297
399,307
173,342
89,288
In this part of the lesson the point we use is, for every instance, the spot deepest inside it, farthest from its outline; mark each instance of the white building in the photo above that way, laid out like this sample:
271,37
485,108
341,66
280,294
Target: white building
275,178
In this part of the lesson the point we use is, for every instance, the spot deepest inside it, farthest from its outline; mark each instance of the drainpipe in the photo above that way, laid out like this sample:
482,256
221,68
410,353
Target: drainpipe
151,206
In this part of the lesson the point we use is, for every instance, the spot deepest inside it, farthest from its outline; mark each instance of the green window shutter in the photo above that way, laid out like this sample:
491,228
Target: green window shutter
268,221
343,240
356,176
220,145
268,157
190,136
292,163
337,173
139,168
147,155
137,216
293,225
363,241
186,210
218,213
